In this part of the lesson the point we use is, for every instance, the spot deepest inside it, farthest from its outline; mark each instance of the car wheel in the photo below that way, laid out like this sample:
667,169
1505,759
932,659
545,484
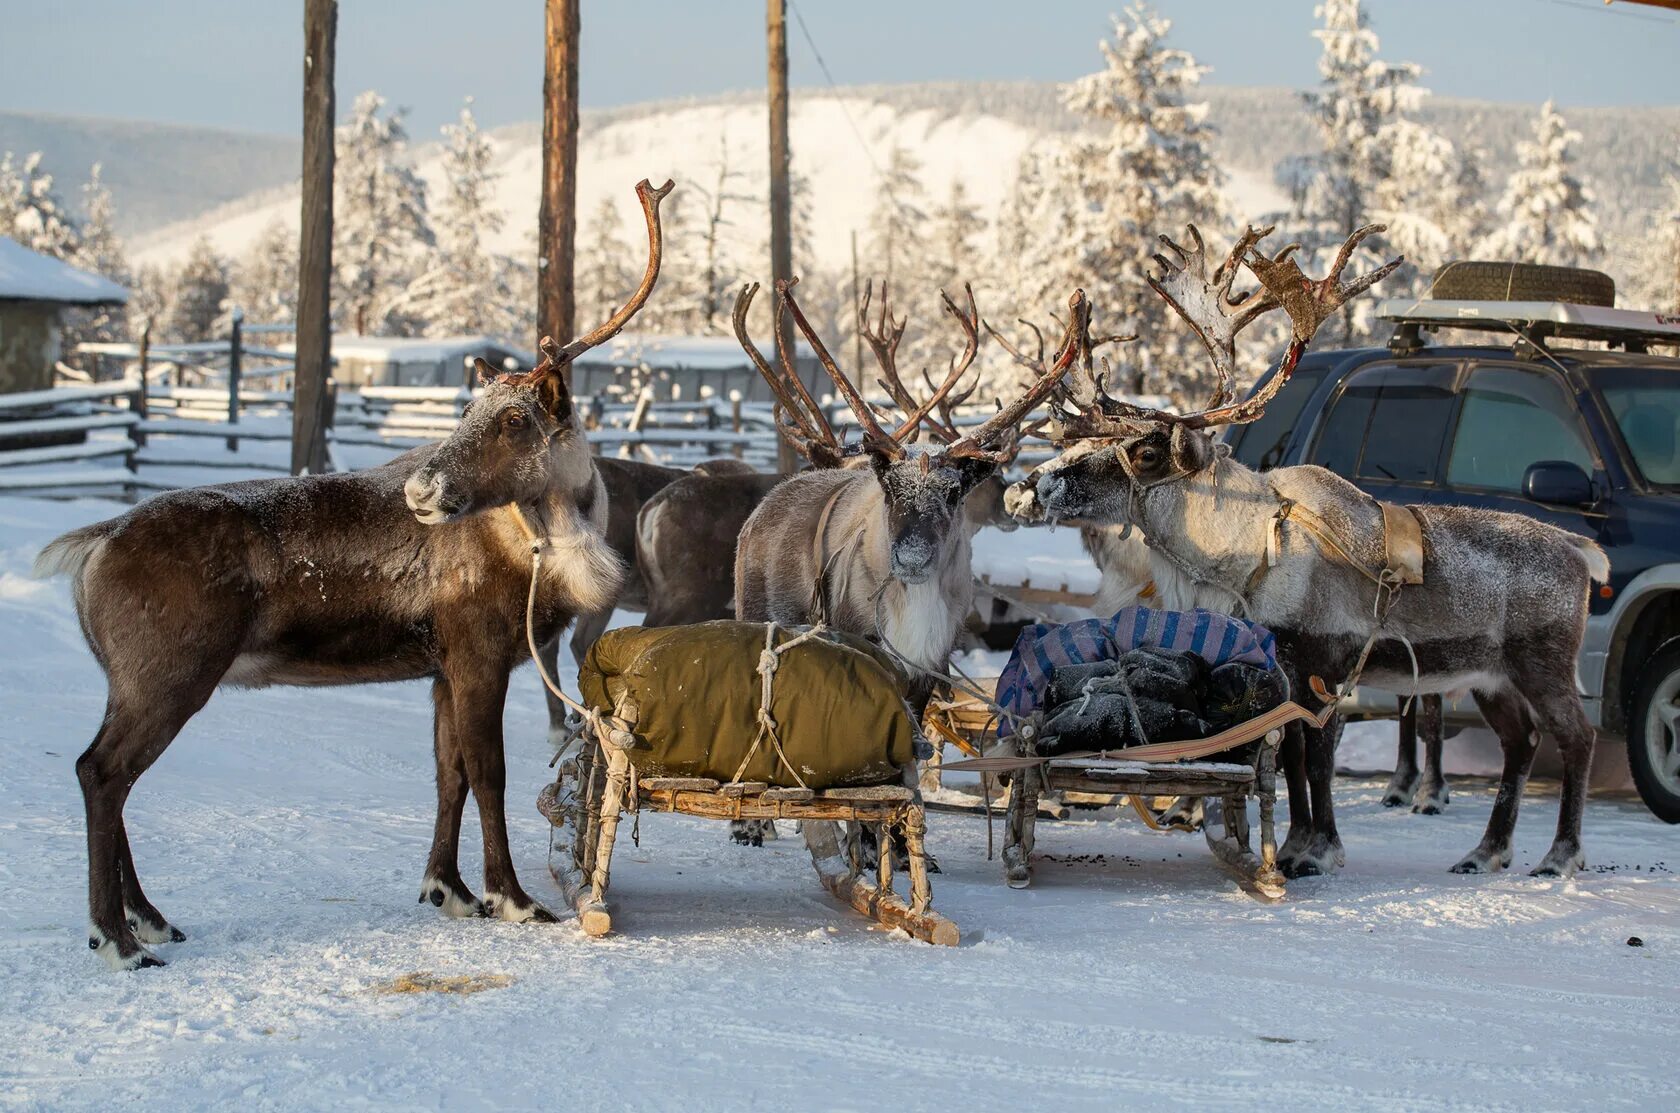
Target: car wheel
1654,736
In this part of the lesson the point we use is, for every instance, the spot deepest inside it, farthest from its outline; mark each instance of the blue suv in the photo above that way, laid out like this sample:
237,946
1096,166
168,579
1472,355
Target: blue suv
1586,439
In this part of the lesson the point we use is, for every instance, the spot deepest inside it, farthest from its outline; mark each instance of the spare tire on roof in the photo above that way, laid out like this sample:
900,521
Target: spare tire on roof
1483,281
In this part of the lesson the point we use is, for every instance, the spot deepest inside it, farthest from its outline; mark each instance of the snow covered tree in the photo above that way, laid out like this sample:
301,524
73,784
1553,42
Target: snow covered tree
468,289
30,212
895,248
1088,214
1546,210
200,290
265,279
717,275
957,231
1665,267
101,252
1375,163
380,226
148,300
605,273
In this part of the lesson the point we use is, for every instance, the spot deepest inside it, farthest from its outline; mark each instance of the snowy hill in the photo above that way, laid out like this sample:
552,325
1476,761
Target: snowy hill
230,186
158,173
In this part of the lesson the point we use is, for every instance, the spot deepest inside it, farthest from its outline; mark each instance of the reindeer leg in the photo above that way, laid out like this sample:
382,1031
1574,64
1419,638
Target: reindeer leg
1292,756
442,885
1432,789
132,737
1560,715
478,694
1404,783
1324,852
1506,714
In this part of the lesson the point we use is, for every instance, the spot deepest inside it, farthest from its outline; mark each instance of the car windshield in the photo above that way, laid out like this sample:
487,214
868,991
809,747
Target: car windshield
1645,402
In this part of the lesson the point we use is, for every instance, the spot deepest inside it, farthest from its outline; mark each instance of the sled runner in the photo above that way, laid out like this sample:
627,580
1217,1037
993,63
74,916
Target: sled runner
746,721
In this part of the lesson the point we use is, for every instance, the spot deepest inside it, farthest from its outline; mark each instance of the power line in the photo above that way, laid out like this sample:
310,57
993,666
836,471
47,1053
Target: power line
857,132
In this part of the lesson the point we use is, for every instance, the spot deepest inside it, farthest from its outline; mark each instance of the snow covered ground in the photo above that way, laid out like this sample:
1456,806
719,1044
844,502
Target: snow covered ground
285,832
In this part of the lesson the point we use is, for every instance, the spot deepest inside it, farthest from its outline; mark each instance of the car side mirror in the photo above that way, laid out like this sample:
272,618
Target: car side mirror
1558,483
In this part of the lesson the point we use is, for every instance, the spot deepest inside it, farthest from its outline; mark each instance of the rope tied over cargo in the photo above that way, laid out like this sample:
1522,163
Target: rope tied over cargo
768,661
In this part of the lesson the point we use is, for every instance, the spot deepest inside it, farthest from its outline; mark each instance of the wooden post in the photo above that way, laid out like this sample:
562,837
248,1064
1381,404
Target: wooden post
235,351
314,315
557,214
137,433
781,199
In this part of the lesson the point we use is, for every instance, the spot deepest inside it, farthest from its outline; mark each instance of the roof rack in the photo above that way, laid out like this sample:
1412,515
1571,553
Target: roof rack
1631,329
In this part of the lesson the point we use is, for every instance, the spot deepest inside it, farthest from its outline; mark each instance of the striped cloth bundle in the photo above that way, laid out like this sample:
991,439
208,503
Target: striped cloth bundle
1042,648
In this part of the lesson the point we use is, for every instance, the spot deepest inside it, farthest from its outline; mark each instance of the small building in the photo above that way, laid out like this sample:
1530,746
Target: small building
684,366
34,290
413,361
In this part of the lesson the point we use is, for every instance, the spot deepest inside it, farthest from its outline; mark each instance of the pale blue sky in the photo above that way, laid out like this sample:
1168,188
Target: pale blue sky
237,64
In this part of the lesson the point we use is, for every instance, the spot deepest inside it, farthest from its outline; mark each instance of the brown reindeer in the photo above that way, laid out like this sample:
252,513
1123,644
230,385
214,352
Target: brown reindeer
418,568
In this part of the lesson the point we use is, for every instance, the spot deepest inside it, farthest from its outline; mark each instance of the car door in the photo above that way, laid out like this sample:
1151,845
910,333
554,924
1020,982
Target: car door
1386,428
1512,416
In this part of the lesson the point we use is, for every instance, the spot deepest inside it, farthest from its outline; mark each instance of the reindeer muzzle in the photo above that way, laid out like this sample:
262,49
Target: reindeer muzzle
426,498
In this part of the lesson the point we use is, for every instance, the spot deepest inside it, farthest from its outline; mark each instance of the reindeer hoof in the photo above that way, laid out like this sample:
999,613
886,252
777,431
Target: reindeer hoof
1482,861
152,928
517,910
453,899
110,950
148,959
1561,864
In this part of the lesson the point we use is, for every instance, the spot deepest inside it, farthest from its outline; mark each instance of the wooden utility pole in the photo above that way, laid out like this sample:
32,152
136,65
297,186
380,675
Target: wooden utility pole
781,199
310,396
557,216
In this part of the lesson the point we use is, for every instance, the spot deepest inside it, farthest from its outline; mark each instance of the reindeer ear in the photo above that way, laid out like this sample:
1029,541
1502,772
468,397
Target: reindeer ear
554,394
972,470
485,372
880,460
1192,449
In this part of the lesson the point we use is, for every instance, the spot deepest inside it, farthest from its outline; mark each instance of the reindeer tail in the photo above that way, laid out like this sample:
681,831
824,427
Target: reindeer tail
69,554
1598,565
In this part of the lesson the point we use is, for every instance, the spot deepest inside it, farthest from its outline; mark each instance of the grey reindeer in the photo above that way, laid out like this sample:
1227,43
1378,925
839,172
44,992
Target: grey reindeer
418,568
1503,602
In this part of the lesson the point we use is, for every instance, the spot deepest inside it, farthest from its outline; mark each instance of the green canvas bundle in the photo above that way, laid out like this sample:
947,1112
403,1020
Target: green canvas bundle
692,696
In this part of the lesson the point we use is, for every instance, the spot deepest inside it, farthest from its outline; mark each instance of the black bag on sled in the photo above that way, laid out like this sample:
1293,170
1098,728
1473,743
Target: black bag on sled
692,694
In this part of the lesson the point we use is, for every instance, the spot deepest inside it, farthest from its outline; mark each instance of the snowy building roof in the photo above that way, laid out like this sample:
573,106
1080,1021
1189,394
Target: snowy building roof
696,353
27,275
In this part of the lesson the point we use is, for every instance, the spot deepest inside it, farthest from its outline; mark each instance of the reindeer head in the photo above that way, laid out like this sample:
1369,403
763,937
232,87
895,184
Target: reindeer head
924,492
1113,451
520,438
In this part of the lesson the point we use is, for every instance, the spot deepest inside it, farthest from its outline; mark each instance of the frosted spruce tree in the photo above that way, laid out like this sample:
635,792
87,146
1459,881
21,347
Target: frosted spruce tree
100,251
380,222
198,296
956,233
265,280
30,211
1545,213
1088,215
1665,249
605,273
1374,164
715,281
467,289
895,245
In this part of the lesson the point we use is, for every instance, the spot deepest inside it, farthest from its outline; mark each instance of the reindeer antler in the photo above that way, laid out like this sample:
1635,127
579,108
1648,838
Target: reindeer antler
976,441
883,340
802,420
1206,304
873,434
946,432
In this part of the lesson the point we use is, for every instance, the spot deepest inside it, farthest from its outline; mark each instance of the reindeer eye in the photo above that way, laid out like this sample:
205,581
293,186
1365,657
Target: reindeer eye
513,421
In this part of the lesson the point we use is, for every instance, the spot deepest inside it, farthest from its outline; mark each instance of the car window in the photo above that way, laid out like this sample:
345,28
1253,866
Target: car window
1261,443
1388,423
1645,401
1513,418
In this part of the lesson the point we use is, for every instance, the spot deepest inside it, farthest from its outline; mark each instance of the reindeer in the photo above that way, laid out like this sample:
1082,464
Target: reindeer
878,544
1501,607
418,568
630,485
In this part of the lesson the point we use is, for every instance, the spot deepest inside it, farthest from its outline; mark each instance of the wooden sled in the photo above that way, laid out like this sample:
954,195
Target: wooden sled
584,804
1164,769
